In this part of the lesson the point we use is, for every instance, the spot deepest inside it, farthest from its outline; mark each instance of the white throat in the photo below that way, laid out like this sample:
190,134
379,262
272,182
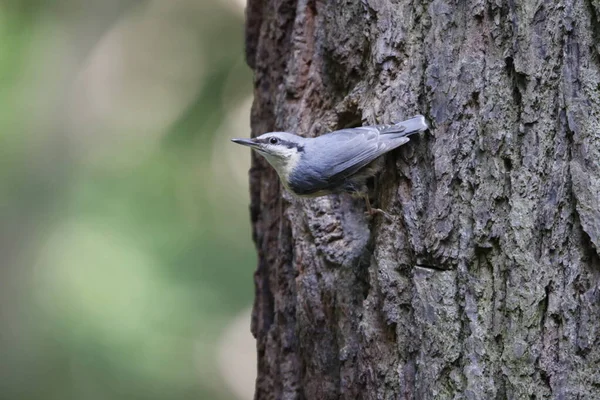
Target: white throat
284,162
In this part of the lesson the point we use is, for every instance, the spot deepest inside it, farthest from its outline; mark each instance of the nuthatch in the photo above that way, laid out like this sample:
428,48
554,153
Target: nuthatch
336,162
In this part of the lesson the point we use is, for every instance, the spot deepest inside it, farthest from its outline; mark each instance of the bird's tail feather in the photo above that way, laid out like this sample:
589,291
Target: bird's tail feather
408,127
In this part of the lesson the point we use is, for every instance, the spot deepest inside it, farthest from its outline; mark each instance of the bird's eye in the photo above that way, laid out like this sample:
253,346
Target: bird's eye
273,140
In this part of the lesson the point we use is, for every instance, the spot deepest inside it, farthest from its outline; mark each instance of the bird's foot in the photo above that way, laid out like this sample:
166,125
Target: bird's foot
371,212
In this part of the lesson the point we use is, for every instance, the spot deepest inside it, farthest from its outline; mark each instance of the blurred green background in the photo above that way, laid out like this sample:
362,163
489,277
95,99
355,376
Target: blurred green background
124,232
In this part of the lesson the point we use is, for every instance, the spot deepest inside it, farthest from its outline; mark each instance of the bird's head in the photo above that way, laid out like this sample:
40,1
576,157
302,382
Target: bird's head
281,149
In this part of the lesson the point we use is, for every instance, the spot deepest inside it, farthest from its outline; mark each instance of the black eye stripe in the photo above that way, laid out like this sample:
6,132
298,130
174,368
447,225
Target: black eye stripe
274,140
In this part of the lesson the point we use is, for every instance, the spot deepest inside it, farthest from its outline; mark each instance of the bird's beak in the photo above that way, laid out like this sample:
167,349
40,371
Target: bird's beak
246,142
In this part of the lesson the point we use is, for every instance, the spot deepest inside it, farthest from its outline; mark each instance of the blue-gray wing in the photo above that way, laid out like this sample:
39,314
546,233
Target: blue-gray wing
357,148
338,155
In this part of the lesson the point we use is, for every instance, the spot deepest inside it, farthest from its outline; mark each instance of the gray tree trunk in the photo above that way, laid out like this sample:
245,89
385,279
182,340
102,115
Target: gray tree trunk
485,285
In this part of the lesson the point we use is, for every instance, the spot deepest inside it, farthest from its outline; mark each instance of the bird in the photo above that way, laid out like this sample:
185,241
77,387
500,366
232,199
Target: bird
337,162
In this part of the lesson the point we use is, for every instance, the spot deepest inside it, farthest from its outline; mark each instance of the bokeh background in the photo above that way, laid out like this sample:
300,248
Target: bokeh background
125,246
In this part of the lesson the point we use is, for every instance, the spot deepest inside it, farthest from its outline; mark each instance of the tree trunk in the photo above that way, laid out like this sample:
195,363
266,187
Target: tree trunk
485,283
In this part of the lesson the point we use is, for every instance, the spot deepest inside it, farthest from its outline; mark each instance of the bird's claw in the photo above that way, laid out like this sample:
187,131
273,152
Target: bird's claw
378,211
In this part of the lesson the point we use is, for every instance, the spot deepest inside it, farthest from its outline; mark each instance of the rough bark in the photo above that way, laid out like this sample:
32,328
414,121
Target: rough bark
486,283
